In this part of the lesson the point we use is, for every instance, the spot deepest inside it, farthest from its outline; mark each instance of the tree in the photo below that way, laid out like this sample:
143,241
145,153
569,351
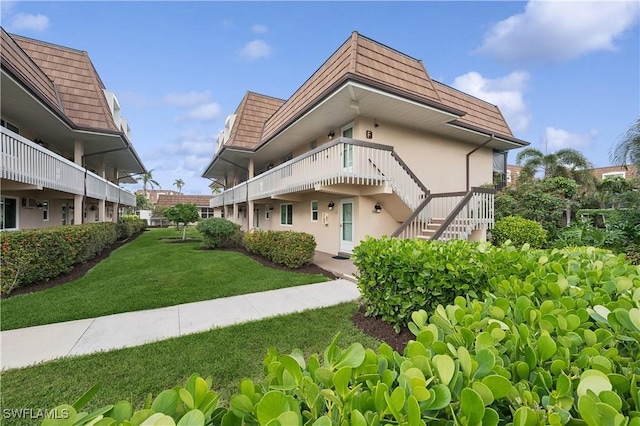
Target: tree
147,179
567,163
142,203
179,183
627,150
215,188
182,214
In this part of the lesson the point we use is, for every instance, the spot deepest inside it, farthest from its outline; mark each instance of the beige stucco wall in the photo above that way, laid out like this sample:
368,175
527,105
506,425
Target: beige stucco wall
439,162
327,236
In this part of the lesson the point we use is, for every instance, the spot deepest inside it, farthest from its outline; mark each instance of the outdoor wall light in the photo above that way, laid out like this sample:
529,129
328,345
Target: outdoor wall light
92,208
378,208
331,134
331,205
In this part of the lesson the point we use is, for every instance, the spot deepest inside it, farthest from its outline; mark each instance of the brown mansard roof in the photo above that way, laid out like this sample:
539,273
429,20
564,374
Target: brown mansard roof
76,86
370,62
254,110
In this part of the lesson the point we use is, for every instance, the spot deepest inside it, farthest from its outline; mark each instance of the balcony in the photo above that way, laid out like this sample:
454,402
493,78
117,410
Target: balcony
26,162
343,161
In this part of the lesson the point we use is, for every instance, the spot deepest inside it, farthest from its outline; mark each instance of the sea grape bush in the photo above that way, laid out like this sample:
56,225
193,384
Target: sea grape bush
291,249
130,225
34,255
553,340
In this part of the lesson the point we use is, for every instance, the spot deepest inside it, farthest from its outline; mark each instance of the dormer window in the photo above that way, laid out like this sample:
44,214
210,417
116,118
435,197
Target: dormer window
114,106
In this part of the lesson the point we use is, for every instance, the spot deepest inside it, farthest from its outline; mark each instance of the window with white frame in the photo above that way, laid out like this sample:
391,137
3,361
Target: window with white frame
8,213
9,126
314,211
614,174
45,211
267,212
286,214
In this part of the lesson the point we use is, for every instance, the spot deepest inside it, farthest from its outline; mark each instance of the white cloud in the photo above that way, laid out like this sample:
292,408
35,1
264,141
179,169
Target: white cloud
29,22
188,99
559,30
505,92
258,29
556,139
6,5
205,112
255,49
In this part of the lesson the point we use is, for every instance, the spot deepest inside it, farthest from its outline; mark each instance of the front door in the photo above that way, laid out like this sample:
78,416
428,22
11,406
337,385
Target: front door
346,225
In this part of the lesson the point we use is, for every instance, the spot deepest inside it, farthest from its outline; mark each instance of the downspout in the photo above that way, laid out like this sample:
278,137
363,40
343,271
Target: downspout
485,143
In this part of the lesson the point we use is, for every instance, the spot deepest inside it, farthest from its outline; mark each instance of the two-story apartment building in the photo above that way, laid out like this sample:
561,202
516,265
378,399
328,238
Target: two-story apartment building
368,145
65,145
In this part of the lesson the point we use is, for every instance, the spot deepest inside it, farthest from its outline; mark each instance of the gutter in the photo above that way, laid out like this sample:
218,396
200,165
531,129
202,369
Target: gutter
485,143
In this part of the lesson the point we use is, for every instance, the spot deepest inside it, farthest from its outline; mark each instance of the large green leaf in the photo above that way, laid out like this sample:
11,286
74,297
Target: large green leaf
471,406
166,402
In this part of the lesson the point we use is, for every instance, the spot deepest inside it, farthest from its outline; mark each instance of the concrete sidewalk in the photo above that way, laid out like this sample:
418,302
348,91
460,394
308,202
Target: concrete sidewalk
26,346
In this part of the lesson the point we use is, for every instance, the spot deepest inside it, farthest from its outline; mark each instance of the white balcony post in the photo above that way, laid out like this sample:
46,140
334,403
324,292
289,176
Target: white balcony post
78,152
235,219
250,202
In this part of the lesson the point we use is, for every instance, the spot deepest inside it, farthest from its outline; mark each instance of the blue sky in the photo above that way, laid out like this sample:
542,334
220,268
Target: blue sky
564,73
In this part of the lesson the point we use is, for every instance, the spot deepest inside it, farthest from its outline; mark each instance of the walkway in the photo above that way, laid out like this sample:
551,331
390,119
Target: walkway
26,346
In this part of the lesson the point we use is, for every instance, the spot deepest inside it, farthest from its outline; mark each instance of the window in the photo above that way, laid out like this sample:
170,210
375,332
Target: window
8,213
613,174
206,212
267,212
286,214
314,211
313,145
9,126
45,211
347,149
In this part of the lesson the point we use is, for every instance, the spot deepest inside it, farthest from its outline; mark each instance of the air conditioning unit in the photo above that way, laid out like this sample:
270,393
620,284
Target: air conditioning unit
29,203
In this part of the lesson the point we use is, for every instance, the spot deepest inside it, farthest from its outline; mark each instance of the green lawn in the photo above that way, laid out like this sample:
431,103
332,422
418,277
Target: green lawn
147,273
227,354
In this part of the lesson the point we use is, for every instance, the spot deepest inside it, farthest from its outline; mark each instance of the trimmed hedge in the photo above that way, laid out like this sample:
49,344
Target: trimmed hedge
129,226
560,346
520,231
291,249
397,277
219,232
40,254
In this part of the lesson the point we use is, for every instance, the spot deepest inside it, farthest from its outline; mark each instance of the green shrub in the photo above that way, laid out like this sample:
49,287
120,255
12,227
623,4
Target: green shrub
288,248
129,226
219,232
555,341
520,231
397,277
40,254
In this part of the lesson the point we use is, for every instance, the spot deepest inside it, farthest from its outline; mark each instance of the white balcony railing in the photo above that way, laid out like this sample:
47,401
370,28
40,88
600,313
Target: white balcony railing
344,161
459,213
26,162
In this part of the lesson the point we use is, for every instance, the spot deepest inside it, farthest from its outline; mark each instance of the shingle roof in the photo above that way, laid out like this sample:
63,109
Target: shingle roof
366,60
166,200
479,113
78,84
15,58
254,110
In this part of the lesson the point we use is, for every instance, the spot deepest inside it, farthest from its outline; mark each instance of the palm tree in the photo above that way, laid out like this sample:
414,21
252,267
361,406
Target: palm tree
215,188
566,162
147,179
179,183
627,150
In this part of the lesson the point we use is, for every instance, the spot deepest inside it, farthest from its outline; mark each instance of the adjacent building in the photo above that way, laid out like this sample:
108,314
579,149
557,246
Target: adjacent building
370,144
65,146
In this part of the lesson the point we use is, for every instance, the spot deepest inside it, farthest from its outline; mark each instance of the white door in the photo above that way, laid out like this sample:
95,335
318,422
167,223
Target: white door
346,225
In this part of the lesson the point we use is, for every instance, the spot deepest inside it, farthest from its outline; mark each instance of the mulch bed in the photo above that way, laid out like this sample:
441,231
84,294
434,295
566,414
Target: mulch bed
370,325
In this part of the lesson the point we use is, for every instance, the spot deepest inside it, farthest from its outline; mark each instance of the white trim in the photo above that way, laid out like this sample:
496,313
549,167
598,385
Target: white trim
45,203
317,210
622,174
